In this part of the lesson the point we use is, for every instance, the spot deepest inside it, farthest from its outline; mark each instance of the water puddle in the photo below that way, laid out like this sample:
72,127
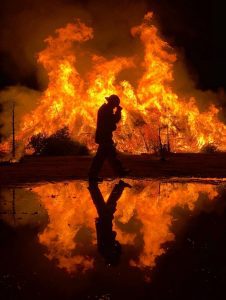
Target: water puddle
114,240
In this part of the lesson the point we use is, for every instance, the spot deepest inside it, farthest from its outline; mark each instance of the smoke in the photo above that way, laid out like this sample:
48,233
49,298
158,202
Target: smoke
185,86
25,27
24,100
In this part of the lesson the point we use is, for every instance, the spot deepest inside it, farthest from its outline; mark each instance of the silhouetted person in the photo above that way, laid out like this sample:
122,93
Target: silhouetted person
107,120
107,244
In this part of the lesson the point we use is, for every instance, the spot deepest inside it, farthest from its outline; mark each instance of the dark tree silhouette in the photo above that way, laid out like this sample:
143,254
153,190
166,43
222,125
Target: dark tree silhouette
59,143
209,148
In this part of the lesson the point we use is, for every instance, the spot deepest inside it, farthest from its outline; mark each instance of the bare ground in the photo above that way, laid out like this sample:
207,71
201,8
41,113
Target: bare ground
48,169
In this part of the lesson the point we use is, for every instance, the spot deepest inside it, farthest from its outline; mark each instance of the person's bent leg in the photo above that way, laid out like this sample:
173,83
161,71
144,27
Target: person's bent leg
97,162
114,161
97,198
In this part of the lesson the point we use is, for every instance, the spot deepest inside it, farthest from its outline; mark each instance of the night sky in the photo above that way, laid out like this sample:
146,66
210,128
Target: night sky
194,28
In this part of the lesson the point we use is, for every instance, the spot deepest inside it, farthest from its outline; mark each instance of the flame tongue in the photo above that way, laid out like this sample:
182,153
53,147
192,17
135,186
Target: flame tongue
72,100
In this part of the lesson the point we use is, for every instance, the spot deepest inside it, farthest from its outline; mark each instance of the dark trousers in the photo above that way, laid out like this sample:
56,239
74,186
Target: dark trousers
105,152
108,208
105,211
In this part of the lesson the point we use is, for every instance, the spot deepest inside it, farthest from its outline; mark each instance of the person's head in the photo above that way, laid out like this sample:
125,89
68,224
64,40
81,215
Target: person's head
113,100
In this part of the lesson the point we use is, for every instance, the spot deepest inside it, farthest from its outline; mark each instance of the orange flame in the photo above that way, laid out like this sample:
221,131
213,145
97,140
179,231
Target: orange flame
72,98
70,208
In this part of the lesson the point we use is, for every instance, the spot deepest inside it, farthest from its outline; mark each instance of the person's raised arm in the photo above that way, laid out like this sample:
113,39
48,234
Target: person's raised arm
118,114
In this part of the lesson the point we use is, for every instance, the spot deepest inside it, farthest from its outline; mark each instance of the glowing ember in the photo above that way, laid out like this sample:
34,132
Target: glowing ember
150,203
72,99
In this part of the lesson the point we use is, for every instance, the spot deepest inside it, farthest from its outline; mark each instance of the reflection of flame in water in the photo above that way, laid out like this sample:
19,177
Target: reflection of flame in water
70,208
72,99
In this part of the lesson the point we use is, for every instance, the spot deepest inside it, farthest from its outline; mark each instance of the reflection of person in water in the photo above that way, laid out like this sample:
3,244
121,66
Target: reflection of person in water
107,244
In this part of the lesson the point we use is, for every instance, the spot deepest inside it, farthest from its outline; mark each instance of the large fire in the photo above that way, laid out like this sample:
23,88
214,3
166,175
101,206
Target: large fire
72,98
151,203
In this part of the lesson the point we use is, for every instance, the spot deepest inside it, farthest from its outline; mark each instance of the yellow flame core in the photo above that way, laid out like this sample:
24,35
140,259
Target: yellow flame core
72,99
70,208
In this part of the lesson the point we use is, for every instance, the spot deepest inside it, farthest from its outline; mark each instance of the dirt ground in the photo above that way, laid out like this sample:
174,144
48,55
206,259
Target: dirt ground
48,169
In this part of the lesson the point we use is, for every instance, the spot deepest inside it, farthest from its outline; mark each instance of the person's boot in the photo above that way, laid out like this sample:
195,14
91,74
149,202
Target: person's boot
124,184
95,179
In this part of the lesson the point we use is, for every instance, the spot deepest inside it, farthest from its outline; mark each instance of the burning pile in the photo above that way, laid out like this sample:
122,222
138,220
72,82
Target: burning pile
72,99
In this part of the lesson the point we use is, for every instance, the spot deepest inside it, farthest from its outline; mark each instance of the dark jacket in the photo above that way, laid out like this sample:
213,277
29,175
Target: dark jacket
106,123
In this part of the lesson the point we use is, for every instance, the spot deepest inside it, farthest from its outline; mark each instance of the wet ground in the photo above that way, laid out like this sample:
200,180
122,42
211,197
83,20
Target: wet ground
132,239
